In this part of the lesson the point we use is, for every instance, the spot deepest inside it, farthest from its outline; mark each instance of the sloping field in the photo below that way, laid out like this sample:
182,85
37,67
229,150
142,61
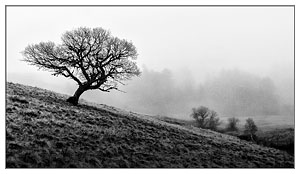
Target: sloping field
42,130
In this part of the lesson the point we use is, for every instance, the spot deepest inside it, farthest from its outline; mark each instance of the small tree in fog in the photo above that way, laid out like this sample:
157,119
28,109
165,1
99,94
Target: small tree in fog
250,128
213,122
232,124
93,58
205,118
200,115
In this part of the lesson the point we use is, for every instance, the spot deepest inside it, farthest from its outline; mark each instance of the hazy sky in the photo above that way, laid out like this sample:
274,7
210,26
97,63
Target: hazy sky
192,42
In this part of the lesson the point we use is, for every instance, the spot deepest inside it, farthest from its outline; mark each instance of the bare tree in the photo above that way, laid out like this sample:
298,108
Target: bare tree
93,58
250,128
232,124
200,114
213,122
206,118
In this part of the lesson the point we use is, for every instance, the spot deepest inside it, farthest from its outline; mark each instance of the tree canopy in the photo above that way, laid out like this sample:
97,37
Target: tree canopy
232,124
205,118
250,127
93,58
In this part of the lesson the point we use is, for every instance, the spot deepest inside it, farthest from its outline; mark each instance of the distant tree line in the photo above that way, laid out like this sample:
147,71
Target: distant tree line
206,118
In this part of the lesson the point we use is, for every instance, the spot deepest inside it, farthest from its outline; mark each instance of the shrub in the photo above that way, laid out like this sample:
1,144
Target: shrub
250,127
200,115
205,118
232,124
213,121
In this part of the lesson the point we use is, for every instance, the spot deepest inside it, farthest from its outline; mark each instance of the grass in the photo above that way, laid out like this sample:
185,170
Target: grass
44,131
282,139
275,136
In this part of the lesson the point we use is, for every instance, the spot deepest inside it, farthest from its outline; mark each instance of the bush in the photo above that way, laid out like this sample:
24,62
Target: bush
205,118
232,124
250,128
213,121
200,115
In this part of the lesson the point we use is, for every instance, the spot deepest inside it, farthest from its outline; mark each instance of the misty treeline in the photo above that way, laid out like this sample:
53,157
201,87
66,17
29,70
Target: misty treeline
208,119
229,93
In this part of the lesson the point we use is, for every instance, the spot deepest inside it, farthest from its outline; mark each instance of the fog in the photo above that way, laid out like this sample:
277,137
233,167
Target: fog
238,61
231,92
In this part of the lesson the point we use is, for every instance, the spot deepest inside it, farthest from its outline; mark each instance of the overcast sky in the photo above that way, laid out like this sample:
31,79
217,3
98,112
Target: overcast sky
191,42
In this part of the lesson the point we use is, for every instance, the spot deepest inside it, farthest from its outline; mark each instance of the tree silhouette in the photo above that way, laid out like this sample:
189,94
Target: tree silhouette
213,121
200,114
205,118
232,124
93,58
250,128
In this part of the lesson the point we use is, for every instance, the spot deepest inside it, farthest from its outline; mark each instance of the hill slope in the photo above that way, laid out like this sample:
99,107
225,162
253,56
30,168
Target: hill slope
42,130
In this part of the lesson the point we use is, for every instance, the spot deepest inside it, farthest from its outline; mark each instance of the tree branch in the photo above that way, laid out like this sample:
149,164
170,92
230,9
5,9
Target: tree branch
92,58
73,77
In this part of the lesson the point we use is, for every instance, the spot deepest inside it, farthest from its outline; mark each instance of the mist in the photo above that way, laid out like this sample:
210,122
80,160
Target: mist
238,61
238,93
229,92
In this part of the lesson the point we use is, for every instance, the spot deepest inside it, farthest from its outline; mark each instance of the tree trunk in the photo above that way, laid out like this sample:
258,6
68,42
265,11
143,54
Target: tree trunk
74,99
251,137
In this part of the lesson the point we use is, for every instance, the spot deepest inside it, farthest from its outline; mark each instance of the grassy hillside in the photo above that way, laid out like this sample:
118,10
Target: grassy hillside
42,130
272,135
282,139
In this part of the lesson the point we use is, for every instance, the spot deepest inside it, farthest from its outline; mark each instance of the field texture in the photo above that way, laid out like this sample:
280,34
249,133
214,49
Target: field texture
43,131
